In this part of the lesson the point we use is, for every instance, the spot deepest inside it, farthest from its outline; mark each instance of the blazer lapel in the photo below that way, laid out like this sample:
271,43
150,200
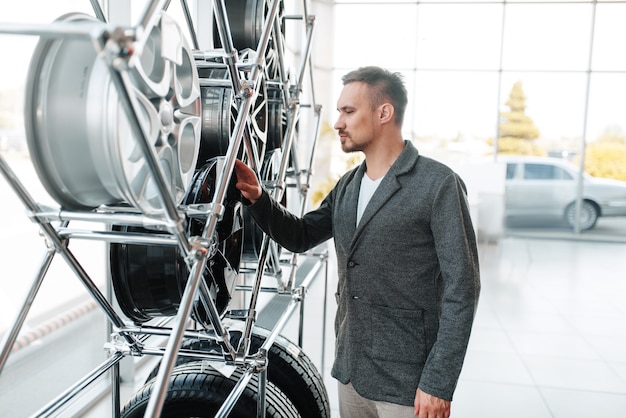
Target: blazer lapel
387,188
345,210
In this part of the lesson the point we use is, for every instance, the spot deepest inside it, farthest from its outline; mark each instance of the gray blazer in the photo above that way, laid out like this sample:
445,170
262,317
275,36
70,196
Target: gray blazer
408,281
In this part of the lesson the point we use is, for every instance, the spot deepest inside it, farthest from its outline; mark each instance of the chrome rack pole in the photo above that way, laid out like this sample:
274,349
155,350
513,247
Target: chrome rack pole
279,186
226,39
11,336
104,215
118,50
310,24
282,72
262,47
95,5
157,399
244,344
296,298
231,59
294,107
115,390
247,92
18,187
118,70
54,405
52,30
291,101
230,400
304,192
271,28
305,188
309,171
235,394
119,237
306,59
155,404
223,338
325,307
148,20
60,245
262,387
190,27
225,174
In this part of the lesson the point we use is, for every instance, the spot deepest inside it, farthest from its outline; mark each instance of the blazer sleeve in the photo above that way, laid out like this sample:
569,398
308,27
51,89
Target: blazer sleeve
457,253
290,231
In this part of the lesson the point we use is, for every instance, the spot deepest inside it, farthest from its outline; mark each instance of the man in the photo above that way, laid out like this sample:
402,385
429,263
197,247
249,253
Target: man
407,259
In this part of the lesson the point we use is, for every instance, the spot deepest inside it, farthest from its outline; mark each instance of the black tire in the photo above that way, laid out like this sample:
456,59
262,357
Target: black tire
289,368
219,113
246,19
589,214
198,391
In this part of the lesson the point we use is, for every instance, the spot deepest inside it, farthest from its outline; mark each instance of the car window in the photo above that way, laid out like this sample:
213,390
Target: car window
545,172
510,170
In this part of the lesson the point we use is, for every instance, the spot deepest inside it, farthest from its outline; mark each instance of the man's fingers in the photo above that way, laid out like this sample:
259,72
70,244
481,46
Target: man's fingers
247,182
240,168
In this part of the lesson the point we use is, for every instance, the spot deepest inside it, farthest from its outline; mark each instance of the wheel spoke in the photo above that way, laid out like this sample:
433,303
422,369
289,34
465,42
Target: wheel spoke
186,82
152,71
149,118
185,151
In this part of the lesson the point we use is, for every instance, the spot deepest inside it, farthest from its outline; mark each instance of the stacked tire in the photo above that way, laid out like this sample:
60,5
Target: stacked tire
294,388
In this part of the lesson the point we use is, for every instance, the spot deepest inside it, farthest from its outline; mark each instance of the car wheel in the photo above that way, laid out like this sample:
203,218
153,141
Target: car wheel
197,391
588,215
290,370
81,140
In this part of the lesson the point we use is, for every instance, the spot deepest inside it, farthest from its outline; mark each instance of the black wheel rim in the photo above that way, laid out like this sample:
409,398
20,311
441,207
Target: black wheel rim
149,280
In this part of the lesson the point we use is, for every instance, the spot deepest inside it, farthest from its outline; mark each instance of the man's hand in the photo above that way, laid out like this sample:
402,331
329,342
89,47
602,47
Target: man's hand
247,182
429,406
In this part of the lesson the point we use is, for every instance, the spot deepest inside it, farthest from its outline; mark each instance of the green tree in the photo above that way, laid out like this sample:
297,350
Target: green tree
517,129
606,157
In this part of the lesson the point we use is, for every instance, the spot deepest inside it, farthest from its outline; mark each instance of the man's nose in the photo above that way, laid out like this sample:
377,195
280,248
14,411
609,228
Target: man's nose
338,124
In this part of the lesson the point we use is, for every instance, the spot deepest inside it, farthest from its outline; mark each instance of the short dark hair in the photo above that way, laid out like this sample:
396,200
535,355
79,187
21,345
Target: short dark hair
385,85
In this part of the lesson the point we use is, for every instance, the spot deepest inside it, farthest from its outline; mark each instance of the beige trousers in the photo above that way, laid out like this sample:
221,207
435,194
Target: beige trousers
353,405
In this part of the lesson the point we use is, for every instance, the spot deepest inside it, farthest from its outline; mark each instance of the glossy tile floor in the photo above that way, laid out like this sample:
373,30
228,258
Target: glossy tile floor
550,334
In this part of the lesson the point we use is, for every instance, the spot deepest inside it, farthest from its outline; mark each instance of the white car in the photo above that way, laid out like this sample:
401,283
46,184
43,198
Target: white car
547,188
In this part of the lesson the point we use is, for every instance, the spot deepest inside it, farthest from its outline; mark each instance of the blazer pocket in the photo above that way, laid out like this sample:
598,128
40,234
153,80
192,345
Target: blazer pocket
398,334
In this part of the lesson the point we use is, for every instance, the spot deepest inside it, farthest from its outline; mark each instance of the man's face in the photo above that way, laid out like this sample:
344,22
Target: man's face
356,121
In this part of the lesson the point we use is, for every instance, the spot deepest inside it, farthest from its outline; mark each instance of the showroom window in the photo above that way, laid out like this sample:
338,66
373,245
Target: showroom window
462,61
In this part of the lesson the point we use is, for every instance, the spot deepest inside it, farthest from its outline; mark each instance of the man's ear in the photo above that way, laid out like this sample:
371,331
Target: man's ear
386,113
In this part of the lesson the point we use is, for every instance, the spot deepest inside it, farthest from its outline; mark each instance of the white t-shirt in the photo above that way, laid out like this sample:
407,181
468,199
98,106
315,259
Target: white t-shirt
368,187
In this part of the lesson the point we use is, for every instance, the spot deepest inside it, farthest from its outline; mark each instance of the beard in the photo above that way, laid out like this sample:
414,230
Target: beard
348,146
351,147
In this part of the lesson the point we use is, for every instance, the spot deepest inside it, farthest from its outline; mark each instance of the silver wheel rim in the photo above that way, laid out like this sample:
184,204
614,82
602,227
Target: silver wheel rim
80,138
588,216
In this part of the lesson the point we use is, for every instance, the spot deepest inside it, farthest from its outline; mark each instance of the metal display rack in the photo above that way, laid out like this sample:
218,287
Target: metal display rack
151,157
